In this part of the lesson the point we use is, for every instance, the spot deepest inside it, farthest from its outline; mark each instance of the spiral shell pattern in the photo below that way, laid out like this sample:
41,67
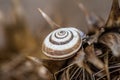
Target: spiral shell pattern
62,43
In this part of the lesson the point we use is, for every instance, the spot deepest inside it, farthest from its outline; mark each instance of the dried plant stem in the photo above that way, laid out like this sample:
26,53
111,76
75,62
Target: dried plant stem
93,20
106,67
49,20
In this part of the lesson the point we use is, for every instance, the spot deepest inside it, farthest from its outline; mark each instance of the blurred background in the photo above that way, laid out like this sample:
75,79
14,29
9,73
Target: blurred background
63,12
67,10
23,29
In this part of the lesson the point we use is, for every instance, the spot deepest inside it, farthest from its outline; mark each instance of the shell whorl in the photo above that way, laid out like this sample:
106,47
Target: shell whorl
62,43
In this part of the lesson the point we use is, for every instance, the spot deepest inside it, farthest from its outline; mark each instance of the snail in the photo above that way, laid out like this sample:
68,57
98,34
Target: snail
62,43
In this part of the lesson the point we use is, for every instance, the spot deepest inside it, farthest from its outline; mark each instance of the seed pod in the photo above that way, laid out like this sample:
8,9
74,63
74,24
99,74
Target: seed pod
111,36
114,16
112,40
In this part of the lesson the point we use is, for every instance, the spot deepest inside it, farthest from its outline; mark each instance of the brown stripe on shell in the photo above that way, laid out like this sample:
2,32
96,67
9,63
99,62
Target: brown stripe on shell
61,37
61,43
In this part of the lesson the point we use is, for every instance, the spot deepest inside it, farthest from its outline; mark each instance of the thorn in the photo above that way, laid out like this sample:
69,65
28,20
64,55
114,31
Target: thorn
49,20
34,59
92,58
92,19
107,67
84,10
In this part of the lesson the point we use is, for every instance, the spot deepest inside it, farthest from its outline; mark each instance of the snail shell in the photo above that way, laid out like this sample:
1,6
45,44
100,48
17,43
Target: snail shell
62,43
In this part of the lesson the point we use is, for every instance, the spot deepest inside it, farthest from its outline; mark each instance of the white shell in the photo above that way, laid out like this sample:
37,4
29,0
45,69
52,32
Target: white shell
62,43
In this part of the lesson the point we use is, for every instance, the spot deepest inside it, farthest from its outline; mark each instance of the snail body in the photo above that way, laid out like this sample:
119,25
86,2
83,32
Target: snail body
62,43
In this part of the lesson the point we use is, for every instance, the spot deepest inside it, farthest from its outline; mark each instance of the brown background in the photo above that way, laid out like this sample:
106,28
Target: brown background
63,12
67,9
